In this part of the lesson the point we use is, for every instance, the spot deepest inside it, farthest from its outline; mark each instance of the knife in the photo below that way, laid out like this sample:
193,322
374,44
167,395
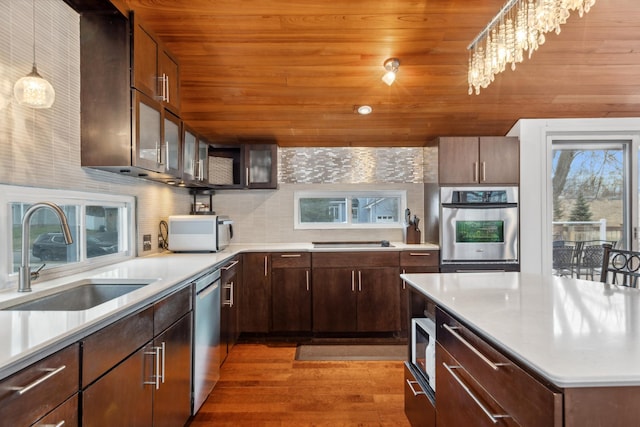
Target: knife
416,220
407,213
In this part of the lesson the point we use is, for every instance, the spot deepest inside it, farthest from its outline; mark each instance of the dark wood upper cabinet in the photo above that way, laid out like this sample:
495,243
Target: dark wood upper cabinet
252,166
478,160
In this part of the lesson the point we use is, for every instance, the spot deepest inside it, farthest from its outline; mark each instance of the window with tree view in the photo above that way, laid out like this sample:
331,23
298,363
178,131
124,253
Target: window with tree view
589,202
355,210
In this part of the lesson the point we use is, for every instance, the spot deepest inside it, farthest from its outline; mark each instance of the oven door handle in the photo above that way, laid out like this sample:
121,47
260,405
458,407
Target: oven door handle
479,205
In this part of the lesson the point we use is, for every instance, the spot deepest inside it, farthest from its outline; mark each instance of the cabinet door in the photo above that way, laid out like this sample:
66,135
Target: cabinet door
499,160
417,405
256,296
202,165
189,154
122,397
147,124
229,329
291,300
172,400
145,60
169,80
458,160
172,145
261,163
378,300
334,300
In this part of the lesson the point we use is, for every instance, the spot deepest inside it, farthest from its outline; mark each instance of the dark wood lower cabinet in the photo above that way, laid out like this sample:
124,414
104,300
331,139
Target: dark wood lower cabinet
121,397
290,300
64,415
255,304
172,399
418,408
356,300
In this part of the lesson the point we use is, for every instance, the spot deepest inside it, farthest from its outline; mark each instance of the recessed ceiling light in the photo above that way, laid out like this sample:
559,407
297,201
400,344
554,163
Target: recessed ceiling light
364,110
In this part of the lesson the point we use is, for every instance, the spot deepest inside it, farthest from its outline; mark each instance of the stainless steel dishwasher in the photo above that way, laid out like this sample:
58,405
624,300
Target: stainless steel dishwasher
206,341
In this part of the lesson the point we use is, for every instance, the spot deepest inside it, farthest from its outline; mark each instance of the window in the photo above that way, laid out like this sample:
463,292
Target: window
349,209
101,227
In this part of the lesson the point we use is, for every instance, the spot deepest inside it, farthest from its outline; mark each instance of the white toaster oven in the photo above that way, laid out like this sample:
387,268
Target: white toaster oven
199,233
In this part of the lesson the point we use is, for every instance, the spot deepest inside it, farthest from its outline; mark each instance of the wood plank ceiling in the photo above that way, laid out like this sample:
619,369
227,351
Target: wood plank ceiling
291,72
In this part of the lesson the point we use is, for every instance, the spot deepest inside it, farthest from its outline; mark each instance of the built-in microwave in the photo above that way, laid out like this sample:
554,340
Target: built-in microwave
199,233
423,349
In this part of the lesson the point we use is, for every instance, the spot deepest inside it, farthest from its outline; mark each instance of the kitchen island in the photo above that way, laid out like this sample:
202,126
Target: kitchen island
580,340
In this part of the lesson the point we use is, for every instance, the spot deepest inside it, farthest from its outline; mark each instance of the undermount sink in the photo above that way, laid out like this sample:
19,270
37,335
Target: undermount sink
366,244
82,295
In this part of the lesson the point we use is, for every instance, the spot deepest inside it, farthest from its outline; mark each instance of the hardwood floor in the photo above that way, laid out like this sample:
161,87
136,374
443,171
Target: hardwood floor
263,385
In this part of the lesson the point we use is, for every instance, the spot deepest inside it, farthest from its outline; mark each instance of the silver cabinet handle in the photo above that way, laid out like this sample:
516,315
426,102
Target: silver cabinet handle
158,153
353,281
290,255
266,265
156,374
492,417
60,424
419,253
359,281
164,352
229,301
166,155
50,373
307,276
459,337
166,77
413,390
483,176
475,171
230,265
404,282
247,175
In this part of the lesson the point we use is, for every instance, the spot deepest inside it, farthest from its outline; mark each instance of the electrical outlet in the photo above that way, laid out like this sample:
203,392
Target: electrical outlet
146,242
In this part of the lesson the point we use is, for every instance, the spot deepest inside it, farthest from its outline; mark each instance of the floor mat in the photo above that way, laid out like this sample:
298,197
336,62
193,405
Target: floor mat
351,352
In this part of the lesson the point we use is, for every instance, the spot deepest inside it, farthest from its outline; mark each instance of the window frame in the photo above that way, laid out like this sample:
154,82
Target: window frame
29,195
349,196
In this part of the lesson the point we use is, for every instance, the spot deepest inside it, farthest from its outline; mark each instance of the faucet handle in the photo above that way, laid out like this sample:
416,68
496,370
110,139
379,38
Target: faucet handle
36,274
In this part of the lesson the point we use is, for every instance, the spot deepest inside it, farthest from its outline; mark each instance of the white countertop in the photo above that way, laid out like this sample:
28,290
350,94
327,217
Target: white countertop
575,333
28,336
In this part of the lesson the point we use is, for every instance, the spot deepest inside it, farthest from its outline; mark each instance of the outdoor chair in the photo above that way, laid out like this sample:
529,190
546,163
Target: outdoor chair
620,267
563,260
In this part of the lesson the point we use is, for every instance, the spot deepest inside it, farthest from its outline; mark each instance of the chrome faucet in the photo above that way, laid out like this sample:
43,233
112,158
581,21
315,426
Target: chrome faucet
24,284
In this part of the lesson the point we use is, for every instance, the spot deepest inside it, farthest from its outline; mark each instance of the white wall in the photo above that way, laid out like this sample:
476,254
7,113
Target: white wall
536,195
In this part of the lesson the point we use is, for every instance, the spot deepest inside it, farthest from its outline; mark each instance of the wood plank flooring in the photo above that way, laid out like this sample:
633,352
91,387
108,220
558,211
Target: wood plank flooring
263,385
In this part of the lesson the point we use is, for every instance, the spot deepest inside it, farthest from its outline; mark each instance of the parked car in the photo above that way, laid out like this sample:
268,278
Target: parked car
51,247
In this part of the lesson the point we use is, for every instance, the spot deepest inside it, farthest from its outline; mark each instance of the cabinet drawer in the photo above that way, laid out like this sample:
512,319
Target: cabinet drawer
420,258
356,259
290,260
417,406
499,376
171,308
64,415
104,349
462,401
44,385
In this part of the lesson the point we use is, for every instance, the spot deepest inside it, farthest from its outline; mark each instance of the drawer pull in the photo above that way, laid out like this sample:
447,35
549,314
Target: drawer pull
231,265
290,256
493,365
492,417
419,254
60,424
413,390
50,373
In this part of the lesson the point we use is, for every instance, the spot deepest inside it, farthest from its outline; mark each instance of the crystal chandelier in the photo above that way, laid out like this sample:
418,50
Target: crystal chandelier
519,27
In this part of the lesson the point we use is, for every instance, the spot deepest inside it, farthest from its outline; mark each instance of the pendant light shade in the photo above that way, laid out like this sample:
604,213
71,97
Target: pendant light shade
32,90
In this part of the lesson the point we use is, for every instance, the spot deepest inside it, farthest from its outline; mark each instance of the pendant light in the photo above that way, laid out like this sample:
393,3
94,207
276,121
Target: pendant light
32,90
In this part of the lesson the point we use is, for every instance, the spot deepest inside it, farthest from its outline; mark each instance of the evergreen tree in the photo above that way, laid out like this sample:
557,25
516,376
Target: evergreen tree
581,210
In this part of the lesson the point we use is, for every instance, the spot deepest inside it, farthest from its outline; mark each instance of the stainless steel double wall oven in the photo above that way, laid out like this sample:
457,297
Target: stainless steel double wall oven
479,228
